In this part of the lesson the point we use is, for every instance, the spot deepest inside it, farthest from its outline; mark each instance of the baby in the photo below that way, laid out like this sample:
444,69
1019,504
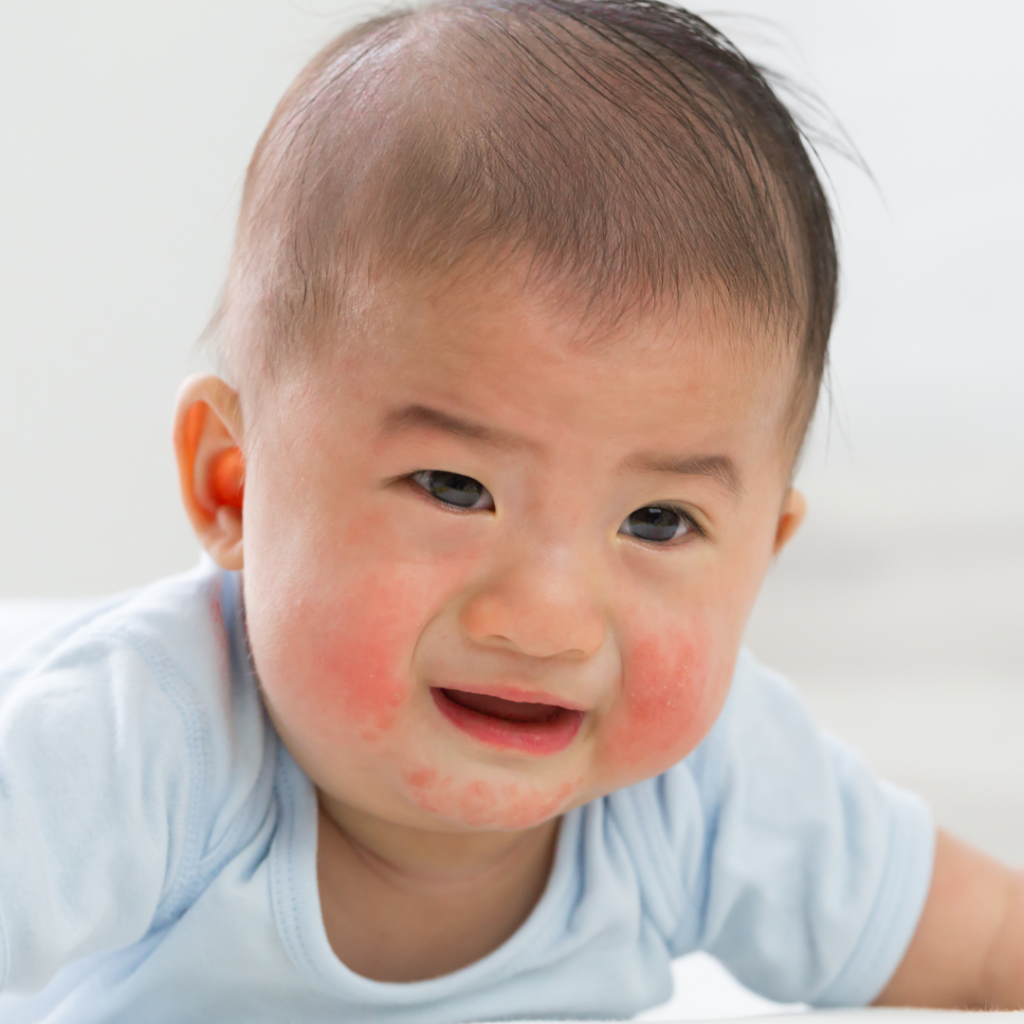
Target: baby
525,323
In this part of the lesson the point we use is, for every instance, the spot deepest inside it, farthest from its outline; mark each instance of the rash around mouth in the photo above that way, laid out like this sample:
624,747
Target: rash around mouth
520,725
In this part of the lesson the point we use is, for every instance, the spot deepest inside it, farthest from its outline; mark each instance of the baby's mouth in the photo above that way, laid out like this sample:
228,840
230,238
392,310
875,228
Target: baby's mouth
498,707
533,727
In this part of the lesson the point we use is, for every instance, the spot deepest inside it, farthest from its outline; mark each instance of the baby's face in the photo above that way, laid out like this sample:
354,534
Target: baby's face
495,568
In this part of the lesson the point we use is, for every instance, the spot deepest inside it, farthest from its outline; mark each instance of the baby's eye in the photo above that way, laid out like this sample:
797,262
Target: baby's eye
658,524
454,489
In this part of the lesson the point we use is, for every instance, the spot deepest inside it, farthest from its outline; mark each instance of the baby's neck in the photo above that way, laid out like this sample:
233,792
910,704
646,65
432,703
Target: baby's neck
401,904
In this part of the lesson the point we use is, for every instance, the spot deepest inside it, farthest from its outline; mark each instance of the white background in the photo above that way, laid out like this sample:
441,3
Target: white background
125,128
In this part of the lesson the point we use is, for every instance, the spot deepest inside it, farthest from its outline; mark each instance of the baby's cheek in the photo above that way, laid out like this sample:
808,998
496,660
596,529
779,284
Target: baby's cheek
358,670
672,691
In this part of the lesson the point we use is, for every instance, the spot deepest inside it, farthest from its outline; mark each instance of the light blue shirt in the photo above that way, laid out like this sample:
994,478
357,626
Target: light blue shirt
158,851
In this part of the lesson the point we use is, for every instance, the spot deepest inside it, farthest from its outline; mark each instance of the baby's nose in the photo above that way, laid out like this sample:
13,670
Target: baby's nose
544,607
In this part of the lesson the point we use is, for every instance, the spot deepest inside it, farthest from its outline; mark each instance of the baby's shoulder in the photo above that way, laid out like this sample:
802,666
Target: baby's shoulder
742,847
136,759
172,637
154,687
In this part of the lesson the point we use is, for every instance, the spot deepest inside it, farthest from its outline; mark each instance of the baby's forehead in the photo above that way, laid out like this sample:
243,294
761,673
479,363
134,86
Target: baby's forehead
500,329
625,147
493,299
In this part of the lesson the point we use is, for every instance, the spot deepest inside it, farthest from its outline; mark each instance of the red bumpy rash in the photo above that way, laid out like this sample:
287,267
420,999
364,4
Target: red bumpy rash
664,710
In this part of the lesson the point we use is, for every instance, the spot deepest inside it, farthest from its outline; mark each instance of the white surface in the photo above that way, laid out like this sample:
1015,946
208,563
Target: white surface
705,990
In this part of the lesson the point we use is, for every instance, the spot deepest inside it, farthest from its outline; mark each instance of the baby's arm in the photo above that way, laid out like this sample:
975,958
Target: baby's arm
968,950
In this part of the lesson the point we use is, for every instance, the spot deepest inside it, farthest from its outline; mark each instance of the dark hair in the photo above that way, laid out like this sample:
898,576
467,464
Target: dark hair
624,145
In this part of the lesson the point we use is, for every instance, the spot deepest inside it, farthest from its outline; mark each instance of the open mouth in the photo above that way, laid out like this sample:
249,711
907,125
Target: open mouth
532,727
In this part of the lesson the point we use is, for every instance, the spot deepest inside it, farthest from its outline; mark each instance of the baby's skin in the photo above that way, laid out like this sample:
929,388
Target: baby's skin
498,559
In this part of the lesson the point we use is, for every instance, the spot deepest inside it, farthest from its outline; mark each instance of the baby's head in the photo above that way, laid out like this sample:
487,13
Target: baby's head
525,323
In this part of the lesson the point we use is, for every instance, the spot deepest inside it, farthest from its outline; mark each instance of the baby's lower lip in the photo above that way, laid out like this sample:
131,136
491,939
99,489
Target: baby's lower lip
517,725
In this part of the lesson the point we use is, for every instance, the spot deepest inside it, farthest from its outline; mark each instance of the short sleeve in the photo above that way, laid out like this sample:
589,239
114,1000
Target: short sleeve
92,764
814,872
133,761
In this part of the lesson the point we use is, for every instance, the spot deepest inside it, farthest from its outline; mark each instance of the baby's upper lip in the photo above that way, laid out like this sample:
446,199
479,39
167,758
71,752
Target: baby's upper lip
514,693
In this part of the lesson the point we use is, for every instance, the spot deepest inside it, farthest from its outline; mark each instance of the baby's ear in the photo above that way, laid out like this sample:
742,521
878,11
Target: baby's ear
211,468
794,508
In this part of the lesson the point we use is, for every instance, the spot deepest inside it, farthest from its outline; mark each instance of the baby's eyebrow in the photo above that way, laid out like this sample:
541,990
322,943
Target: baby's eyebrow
718,467
419,417
413,417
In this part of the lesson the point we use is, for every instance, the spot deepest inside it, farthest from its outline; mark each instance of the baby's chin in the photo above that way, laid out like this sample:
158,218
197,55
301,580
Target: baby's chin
483,803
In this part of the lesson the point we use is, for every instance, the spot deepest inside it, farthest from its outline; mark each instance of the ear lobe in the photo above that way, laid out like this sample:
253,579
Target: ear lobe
794,509
211,467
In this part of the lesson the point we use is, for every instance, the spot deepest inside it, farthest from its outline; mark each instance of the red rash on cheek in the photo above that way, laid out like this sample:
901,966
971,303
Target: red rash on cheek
667,705
359,674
